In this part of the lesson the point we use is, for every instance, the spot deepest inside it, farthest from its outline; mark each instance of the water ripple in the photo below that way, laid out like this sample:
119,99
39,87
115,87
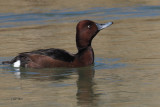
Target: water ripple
8,20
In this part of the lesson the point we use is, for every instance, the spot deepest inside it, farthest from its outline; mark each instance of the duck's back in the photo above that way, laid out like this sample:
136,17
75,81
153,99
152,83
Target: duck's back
42,58
58,54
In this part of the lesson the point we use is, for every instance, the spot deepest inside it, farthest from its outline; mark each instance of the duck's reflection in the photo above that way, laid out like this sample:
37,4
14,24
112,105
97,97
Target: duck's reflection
85,82
85,85
46,74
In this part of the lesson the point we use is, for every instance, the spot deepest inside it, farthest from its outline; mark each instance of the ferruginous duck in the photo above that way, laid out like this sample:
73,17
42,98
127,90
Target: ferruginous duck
86,30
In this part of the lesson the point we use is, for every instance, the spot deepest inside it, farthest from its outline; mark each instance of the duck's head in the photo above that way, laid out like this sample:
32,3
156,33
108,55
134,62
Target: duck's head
86,30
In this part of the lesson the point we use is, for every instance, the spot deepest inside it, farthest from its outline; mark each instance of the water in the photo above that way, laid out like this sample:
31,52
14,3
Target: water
127,56
8,20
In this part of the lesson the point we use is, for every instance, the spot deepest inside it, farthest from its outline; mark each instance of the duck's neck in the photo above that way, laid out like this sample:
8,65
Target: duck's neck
86,55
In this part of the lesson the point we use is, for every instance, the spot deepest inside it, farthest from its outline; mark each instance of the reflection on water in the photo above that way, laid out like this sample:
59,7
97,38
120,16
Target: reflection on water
127,55
60,16
86,90
85,85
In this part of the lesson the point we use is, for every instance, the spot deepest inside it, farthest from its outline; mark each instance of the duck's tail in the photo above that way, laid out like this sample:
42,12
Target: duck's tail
6,62
21,60
12,61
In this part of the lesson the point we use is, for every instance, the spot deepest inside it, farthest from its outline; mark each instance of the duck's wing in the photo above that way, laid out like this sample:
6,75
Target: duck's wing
36,55
58,54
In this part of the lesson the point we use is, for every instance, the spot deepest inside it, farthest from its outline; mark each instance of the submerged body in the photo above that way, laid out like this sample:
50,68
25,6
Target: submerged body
48,58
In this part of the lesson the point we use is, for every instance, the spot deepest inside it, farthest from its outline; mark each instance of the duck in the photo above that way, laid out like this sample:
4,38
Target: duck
86,30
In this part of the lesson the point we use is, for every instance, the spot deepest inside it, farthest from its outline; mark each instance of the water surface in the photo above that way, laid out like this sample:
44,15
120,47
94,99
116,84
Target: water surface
127,56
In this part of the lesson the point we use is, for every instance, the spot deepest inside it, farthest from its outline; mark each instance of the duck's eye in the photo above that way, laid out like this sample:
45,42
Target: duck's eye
89,26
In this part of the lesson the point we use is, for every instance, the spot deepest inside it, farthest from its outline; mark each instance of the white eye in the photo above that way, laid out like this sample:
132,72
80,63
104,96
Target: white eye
89,26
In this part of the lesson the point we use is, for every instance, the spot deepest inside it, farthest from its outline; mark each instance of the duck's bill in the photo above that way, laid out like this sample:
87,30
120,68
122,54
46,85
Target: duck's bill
102,26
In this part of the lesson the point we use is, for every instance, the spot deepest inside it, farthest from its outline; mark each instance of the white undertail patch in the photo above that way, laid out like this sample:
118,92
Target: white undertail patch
17,63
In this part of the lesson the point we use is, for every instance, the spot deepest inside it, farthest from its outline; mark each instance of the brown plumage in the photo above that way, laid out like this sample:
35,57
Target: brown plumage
86,30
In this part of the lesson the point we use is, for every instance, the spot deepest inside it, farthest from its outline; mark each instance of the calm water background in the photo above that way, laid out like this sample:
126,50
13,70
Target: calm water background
126,72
